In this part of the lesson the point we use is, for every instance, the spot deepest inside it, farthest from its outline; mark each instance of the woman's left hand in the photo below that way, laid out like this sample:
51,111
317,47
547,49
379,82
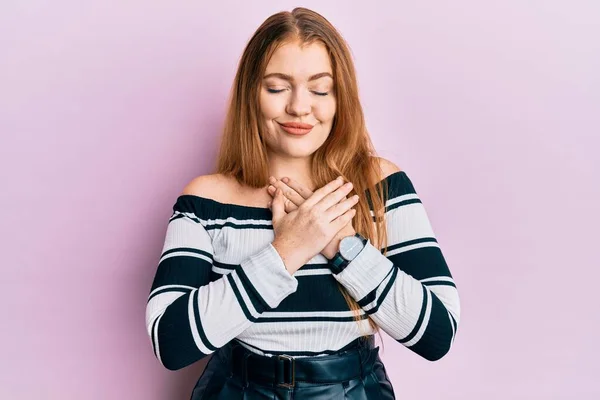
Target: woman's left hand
296,194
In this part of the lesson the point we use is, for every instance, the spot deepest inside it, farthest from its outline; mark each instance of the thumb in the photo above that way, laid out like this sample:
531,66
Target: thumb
277,206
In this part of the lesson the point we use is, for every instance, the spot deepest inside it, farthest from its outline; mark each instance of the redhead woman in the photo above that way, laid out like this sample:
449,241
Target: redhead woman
283,264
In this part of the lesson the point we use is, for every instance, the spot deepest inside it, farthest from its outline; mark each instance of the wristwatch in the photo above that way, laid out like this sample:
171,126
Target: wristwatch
350,247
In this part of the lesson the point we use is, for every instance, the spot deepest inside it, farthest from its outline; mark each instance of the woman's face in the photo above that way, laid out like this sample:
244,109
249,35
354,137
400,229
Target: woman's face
297,87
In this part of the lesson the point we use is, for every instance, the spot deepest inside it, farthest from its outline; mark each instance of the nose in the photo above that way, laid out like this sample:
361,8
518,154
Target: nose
300,103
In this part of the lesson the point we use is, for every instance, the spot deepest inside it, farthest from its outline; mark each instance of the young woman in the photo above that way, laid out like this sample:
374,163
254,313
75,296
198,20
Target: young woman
281,270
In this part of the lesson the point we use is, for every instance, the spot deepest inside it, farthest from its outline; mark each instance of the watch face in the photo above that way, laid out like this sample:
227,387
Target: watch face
350,247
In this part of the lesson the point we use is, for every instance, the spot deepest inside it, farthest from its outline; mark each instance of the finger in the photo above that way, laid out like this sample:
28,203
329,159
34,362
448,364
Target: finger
343,219
289,205
288,192
298,187
323,191
277,206
340,208
334,197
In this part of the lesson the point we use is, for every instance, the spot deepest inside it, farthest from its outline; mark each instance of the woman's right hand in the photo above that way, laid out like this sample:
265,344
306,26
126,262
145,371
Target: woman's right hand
303,233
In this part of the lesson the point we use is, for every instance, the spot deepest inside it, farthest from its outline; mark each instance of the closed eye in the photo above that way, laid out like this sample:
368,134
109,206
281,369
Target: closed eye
281,90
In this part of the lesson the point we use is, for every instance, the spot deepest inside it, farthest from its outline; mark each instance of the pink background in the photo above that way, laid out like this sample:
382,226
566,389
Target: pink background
108,108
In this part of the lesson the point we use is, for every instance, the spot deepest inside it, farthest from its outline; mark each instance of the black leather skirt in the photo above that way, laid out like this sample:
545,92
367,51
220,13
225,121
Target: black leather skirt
234,373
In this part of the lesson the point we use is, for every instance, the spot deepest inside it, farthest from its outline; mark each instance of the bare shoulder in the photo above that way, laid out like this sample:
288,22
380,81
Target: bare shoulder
214,186
387,167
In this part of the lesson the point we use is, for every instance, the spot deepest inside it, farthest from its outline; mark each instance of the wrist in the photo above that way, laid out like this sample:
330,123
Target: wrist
288,255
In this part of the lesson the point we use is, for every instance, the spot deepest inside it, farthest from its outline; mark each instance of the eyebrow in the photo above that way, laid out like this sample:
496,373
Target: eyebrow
291,79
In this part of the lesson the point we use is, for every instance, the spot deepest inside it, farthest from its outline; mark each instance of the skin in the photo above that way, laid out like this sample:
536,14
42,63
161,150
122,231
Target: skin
307,96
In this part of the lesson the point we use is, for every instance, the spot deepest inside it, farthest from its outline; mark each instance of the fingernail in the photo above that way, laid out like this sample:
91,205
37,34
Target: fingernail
285,180
340,178
271,179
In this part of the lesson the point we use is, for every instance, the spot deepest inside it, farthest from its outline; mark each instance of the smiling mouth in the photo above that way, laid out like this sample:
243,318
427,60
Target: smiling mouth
296,129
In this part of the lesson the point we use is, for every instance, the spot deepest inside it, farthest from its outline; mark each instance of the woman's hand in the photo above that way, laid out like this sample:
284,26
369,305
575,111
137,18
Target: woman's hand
300,234
294,195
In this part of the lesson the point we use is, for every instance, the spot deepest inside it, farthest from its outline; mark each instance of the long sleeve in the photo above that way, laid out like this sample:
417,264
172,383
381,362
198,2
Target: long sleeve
410,293
188,316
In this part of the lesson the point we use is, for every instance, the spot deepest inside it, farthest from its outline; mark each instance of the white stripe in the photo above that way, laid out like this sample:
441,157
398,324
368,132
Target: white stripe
303,336
451,325
221,271
157,306
235,221
424,323
194,327
300,272
186,214
155,335
412,247
186,253
174,287
307,272
438,278
398,199
301,314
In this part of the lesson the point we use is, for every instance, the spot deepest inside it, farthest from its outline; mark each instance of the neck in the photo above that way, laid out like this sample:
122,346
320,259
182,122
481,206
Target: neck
294,168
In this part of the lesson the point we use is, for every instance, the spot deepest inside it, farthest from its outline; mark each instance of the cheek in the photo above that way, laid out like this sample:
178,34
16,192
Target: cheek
270,106
325,111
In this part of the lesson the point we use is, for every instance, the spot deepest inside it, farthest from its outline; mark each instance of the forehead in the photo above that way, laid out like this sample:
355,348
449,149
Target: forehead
300,62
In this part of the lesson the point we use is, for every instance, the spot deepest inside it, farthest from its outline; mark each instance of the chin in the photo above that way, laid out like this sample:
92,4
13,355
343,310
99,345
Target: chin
298,153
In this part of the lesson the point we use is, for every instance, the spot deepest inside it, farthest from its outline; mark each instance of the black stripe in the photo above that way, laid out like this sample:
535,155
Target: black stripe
238,226
315,293
182,270
306,267
402,203
412,334
240,299
257,300
438,283
412,242
222,265
385,291
437,338
422,262
175,341
205,340
206,209
368,299
373,294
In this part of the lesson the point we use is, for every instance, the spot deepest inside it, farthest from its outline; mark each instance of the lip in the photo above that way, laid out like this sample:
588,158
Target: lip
296,128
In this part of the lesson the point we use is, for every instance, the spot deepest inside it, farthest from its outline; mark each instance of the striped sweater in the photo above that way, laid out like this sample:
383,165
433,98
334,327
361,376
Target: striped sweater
220,279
